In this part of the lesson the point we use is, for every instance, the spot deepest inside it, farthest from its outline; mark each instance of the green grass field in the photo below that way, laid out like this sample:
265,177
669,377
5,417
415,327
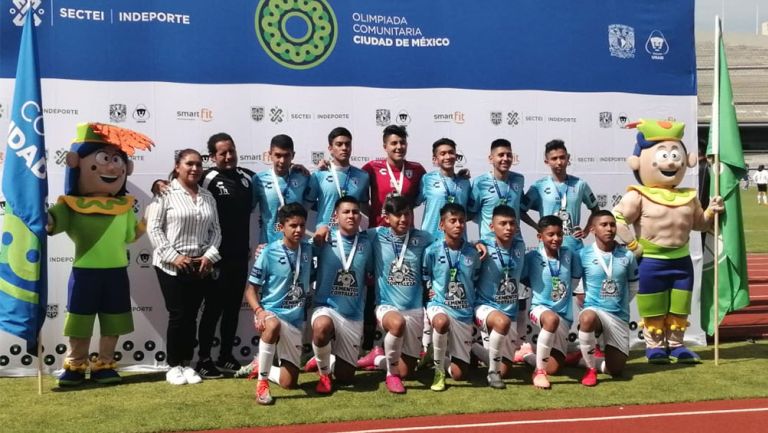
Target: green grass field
145,403
755,222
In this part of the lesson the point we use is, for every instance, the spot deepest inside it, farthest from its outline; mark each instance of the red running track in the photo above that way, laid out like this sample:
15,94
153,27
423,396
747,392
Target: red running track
732,416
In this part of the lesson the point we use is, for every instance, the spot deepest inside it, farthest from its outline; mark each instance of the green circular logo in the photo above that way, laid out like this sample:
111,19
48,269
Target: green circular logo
298,34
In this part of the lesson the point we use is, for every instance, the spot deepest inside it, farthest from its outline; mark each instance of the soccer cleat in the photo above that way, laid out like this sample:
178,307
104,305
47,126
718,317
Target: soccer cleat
573,358
394,384
208,370
657,355
598,352
438,384
540,379
520,354
263,397
311,365
228,365
367,361
324,385
494,380
590,377
191,375
175,376
247,371
683,355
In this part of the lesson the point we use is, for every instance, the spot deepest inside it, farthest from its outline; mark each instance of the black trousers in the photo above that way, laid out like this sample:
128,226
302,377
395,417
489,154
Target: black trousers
183,296
223,299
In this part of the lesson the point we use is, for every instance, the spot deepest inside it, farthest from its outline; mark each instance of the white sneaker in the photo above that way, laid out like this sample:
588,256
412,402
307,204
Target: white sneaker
191,375
175,376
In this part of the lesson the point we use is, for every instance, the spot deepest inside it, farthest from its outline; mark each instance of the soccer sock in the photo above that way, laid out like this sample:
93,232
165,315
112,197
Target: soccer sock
480,352
266,355
522,328
587,343
323,356
543,348
439,344
602,367
494,351
380,362
274,374
426,336
392,348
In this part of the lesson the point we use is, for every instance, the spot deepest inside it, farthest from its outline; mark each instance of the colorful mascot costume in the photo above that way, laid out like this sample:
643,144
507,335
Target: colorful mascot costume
663,216
98,217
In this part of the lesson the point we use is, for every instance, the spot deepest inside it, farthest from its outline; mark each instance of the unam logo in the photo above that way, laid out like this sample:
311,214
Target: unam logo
20,9
297,35
621,41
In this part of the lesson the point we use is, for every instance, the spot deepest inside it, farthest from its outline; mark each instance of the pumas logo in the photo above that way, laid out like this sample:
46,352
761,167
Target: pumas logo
297,35
622,120
403,118
144,259
383,117
20,9
118,112
606,119
657,45
621,41
141,113
257,114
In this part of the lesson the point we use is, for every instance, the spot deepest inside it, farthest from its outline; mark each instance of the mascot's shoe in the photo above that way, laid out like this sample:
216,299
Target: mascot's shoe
105,373
71,378
683,355
657,355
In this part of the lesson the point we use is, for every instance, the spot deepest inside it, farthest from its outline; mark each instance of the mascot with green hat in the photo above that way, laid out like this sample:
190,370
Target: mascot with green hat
662,216
98,216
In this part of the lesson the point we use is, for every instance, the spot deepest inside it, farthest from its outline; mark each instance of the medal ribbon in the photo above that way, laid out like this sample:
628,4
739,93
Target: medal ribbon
296,269
499,253
341,190
346,262
508,196
554,272
280,193
401,257
449,196
562,196
453,267
398,184
608,269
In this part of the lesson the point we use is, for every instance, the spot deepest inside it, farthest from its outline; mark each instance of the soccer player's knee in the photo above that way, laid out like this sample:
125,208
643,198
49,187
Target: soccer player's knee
322,329
441,323
588,320
550,321
396,324
502,325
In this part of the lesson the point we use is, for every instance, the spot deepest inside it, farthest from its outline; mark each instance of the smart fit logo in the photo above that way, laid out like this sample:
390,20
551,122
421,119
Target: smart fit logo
21,7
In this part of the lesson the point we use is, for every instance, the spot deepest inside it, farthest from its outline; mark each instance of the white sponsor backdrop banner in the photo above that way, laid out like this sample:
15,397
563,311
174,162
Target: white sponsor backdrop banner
471,72
174,116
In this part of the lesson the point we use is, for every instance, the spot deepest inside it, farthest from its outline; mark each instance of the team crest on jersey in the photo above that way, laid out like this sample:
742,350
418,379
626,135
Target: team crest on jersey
294,183
624,261
246,183
408,173
415,242
468,261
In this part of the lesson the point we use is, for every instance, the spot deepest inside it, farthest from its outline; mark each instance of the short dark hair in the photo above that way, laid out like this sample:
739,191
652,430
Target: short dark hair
396,130
505,211
599,213
291,210
346,199
500,142
555,144
453,208
215,138
442,142
548,221
281,141
339,131
397,205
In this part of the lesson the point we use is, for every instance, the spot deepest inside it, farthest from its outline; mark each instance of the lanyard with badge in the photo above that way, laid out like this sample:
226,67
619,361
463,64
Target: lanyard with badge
558,286
453,267
281,194
395,183
397,274
507,292
456,296
342,190
562,197
503,200
345,278
296,269
450,197
608,286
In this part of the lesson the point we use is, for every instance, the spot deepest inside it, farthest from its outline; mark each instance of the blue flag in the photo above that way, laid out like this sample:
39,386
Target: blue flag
23,255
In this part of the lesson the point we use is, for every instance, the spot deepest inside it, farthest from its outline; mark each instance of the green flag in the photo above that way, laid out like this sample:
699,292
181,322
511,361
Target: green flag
733,290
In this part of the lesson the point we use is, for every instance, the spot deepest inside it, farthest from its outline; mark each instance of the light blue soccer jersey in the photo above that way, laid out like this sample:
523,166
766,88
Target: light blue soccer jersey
455,294
265,195
545,197
488,192
499,284
435,190
343,291
553,293
612,296
274,273
400,287
323,191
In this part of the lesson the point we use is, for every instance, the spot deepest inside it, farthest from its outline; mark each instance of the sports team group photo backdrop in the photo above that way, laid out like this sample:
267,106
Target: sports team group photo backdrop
180,71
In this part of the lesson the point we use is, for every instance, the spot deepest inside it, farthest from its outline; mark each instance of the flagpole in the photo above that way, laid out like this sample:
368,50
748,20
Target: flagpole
715,136
40,363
